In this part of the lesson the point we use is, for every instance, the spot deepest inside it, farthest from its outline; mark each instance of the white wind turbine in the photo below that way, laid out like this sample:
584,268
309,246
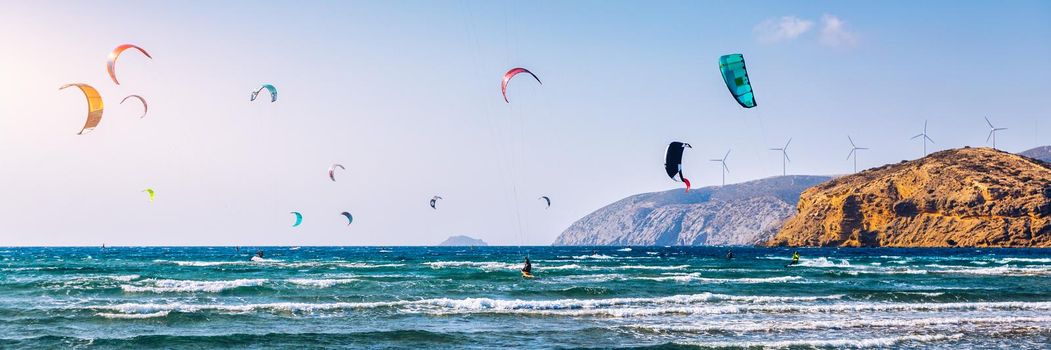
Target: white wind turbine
725,169
854,152
925,138
992,132
784,157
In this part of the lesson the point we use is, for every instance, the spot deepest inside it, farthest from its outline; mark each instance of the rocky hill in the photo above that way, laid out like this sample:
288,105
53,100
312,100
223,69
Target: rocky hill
1042,153
463,241
963,197
740,214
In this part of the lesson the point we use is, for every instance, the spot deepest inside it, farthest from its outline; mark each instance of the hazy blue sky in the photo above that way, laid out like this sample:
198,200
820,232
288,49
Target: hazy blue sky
406,95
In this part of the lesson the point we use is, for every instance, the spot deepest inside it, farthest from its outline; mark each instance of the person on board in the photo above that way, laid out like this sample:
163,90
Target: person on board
729,254
795,257
528,268
259,254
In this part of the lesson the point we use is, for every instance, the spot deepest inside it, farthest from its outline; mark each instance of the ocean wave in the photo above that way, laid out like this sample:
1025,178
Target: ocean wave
133,316
837,308
696,277
624,250
650,267
1023,260
280,264
998,271
823,262
497,266
321,283
835,343
593,256
187,286
461,305
834,324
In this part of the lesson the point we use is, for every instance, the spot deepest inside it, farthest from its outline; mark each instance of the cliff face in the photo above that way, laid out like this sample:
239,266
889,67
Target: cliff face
964,197
740,214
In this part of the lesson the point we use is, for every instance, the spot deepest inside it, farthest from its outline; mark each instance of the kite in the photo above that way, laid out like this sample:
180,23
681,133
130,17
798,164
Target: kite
350,218
299,218
273,92
511,73
145,107
150,192
546,199
673,162
111,64
94,106
332,171
434,202
736,77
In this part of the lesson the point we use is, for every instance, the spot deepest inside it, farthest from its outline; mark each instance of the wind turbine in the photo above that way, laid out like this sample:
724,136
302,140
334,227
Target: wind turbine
784,157
992,132
925,138
854,152
725,169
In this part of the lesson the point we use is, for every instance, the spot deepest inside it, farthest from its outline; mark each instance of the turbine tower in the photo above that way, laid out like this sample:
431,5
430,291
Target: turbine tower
725,169
925,138
992,132
854,152
784,157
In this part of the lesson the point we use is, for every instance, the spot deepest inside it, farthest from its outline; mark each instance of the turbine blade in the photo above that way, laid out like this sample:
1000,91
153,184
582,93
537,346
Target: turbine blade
789,141
914,137
715,160
998,129
990,136
989,122
862,148
928,138
777,149
786,157
851,153
851,142
726,167
727,154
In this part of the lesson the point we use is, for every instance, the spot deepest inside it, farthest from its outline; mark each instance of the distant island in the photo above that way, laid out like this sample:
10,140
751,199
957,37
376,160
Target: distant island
748,213
463,241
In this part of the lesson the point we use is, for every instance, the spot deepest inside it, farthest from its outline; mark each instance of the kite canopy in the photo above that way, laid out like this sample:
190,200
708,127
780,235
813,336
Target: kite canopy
510,74
332,171
94,106
736,77
434,202
299,218
273,92
673,162
145,107
546,199
150,192
350,218
111,64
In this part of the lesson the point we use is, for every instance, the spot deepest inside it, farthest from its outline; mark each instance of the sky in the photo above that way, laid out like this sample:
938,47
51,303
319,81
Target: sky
406,95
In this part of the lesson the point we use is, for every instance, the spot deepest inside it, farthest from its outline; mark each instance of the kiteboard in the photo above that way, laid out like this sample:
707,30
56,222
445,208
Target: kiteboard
526,275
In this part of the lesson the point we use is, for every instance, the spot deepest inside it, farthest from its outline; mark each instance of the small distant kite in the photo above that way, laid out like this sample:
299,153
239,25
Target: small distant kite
350,218
145,107
299,218
736,77
510,74
111,63
150,192
332,171
271,88
673,162
94,106
434,202
546,199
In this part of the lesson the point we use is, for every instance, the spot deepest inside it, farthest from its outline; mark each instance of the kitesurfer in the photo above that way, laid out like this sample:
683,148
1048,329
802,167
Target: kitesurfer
729,254
795,257
528,268
259,254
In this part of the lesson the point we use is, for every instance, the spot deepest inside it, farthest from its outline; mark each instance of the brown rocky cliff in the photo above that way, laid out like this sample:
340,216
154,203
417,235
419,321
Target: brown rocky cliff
964,197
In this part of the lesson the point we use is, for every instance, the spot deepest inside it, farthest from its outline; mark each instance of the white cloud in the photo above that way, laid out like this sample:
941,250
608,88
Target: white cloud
782,29
834,32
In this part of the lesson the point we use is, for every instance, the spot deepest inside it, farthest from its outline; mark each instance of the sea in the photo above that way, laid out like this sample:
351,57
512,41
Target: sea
475,298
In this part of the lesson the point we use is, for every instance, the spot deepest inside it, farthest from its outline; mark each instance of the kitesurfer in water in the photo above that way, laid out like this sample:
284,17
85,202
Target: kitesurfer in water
795,258
528,268
259,254
729,254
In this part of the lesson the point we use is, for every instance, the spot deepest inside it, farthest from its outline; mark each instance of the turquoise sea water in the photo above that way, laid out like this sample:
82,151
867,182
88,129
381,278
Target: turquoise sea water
442,298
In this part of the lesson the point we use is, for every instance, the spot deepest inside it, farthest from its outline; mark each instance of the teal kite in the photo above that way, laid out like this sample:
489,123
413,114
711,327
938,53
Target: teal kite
736,77
273,92
350,218
299,218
